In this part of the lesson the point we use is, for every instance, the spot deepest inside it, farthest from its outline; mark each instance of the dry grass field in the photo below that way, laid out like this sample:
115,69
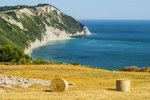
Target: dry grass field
92,84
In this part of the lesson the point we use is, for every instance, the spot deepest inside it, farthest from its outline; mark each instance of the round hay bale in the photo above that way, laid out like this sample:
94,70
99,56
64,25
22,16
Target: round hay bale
123,85
59,85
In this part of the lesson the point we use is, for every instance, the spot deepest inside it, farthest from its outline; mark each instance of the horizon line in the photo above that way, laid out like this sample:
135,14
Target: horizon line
113,19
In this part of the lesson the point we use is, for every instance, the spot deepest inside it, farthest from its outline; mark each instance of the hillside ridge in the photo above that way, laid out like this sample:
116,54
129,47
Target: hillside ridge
28,27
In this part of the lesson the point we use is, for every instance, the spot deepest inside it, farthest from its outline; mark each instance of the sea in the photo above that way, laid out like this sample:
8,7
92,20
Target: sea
113,44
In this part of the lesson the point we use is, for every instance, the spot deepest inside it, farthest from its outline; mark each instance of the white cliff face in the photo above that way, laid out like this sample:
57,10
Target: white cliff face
55,9
47,9
84,32
19,13
51,35
26,11
14,22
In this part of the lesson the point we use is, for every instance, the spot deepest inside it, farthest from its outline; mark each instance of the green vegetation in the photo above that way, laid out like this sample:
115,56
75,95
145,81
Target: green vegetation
71,24
39,61
13,56
34,26
6,8
12,14
13,35
76,64
135,69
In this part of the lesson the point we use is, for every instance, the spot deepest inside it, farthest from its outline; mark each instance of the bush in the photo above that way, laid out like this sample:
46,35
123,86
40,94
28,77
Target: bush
75,64
135,69
12,55
40,61
145,69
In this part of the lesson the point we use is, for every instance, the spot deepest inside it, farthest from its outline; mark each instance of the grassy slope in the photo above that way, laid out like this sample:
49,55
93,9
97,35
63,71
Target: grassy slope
92,84
34,26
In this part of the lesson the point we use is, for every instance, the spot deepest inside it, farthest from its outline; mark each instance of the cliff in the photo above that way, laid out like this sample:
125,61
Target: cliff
28,27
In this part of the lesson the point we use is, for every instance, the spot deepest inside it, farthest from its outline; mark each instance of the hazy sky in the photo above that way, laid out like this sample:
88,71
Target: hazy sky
95,9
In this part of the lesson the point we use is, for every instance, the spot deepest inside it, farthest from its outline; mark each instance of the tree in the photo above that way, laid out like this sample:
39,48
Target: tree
9,54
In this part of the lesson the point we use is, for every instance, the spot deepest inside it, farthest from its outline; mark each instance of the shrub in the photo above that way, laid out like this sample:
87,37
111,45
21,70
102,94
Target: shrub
75,64
145,69
135,69
40,61
12,55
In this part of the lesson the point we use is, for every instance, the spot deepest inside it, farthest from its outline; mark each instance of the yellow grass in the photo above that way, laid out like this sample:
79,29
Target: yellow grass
92,84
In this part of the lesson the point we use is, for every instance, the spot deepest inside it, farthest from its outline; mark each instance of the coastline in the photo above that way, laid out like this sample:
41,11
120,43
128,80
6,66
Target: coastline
30,49
52,35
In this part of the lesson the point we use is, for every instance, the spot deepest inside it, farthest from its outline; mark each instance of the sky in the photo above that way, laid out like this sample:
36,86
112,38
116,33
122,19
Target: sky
95,9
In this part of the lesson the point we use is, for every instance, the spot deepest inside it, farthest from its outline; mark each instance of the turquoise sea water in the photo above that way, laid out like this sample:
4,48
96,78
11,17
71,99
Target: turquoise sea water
112,45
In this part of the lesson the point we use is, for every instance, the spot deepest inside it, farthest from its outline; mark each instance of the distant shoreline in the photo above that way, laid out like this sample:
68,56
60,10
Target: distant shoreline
30,50
112,45
51,36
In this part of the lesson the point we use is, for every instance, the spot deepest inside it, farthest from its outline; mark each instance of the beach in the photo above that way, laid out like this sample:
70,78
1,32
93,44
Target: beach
52,35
